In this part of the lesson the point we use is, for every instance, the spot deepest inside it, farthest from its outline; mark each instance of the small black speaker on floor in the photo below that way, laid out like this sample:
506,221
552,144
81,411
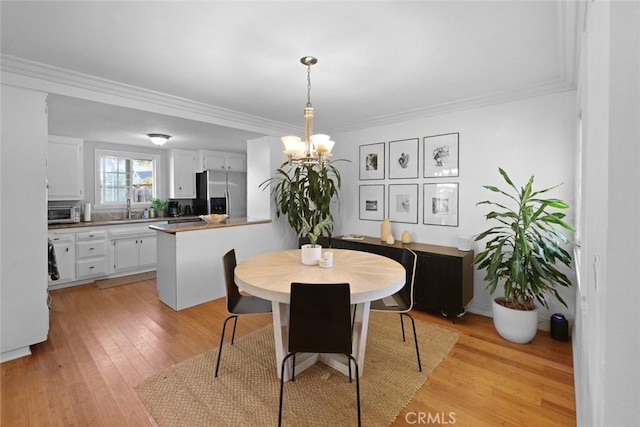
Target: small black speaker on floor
559,327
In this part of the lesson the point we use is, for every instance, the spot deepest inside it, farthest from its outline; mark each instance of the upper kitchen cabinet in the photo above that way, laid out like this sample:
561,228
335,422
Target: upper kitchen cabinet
220,161
65,168
182,174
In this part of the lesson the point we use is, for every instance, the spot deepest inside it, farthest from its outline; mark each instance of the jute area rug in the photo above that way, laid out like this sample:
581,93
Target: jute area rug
124,280
247,389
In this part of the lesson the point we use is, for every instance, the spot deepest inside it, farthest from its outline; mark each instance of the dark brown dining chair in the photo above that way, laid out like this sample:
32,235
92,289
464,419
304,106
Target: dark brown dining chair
402,301
319,322
237,304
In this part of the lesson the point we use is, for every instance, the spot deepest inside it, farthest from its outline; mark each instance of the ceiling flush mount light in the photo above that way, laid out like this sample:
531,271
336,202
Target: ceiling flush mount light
158,138
314,149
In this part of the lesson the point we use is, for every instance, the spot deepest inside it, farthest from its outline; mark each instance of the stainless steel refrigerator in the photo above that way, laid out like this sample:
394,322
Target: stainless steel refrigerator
225,191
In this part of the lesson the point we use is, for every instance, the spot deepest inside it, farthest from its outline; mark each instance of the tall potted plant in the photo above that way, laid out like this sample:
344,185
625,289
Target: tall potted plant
522,255
303,194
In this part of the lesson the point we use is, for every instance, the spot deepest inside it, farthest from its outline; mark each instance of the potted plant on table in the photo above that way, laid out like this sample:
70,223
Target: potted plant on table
522,254
303,194
160,206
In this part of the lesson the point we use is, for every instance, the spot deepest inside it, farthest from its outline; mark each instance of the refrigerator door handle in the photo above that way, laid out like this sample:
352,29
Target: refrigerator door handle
228,195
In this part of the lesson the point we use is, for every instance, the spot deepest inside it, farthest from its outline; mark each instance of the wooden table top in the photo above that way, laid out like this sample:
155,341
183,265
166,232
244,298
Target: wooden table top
370,276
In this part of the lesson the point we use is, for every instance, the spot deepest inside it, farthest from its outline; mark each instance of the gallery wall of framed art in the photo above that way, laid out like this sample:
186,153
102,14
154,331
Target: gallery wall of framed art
422,163
371,202
371,161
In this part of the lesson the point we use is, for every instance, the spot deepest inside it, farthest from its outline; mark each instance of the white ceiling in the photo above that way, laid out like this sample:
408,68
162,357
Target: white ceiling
236,64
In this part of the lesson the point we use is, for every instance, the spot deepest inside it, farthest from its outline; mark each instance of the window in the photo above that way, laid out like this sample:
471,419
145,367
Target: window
121,175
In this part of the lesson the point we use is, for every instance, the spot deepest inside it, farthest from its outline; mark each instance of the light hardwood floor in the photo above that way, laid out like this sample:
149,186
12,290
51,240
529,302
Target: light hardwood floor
104,342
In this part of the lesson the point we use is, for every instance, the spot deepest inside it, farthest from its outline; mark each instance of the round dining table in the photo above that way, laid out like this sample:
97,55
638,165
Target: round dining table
370,277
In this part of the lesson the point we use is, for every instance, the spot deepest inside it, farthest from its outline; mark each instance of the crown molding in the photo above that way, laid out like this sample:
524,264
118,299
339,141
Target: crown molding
43,77
571,24
557,86
47,78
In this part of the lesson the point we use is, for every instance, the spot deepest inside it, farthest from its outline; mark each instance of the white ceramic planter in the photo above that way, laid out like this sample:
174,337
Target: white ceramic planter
311,255
518,326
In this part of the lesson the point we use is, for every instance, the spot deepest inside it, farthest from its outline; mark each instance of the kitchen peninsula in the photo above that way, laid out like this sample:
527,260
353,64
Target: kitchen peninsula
189,267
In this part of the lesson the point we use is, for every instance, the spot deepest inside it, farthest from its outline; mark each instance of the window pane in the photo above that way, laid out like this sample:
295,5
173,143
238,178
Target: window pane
142,180
120,177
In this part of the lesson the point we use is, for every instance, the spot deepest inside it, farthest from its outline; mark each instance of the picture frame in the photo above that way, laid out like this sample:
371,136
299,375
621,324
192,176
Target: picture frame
403,203
371,202
372,161
403,158
441,155
440,204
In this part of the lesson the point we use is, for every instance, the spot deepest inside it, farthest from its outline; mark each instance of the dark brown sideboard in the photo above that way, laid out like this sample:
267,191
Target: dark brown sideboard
444,275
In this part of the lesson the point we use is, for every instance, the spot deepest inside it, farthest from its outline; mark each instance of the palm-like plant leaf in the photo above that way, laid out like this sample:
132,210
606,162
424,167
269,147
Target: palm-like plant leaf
523,251
304,195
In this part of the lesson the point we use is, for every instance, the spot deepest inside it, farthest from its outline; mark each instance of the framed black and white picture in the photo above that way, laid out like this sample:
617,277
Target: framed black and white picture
441,204
403,203
441,156
372,202
372,161
403,158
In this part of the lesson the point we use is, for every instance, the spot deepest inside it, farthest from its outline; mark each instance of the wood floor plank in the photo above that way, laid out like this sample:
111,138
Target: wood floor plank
102,343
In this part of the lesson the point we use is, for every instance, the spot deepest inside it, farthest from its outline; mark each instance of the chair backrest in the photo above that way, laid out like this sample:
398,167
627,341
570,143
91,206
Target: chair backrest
409,261
233,293
320,318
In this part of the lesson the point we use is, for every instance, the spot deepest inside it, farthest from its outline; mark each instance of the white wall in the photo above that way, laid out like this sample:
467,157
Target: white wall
264,156
606,340
530,137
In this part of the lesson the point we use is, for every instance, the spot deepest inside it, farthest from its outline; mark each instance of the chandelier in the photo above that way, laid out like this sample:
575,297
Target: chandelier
314,149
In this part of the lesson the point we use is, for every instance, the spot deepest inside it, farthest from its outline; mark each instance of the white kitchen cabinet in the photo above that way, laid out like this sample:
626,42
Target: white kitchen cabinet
182,174
65,251
91,254
134,248
65,168
221,161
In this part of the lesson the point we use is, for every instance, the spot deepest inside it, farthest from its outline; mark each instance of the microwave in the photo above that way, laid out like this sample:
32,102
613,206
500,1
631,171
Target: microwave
63,214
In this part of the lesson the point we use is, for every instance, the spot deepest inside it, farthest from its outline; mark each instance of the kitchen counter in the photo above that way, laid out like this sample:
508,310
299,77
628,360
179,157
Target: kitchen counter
117,222
202,225
189,266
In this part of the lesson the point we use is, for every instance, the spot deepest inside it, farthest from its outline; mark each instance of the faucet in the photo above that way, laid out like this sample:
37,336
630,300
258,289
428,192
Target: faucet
129,208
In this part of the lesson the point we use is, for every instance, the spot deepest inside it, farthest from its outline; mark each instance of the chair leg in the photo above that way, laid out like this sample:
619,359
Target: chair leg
355,362
284,361
402,326
415,338
293,368
233,334
224,327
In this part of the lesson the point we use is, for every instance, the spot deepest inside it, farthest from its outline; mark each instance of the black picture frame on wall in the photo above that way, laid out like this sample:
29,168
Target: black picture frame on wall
372,161
441,155
403,203
371,202
403,158
440,204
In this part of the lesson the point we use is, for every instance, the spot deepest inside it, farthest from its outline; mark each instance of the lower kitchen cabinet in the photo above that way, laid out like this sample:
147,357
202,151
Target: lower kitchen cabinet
91,254
444,275
65,252
134,253
84,254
